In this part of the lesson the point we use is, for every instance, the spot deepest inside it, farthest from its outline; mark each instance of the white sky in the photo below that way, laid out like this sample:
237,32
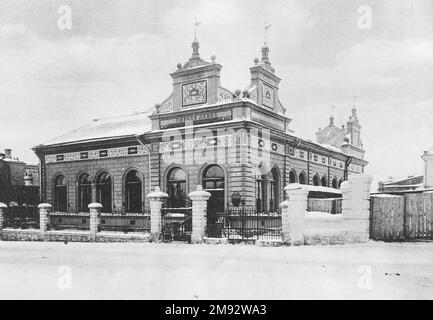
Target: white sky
118,56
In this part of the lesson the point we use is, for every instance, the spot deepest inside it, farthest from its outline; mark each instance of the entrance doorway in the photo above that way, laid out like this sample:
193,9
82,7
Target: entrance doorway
214,183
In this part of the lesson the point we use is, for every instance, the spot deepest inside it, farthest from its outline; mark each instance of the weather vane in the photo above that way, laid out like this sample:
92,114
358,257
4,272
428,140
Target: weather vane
267,26
196,24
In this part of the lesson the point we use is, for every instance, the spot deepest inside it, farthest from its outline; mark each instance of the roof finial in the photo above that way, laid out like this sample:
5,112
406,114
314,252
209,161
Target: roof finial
354,117
331,118
267,26
196,24
195,43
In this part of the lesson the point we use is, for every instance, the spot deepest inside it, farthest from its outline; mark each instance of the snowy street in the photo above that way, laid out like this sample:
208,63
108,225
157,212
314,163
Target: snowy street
180,271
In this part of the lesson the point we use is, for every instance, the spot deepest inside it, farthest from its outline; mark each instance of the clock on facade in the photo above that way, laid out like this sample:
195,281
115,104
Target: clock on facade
268,96
194,93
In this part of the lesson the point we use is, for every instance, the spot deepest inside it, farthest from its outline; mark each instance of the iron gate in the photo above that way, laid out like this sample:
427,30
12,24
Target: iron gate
176,224
245,224
21,217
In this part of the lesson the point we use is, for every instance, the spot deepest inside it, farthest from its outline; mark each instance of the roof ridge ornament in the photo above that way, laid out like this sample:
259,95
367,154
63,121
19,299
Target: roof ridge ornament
265,62
267,26
195,43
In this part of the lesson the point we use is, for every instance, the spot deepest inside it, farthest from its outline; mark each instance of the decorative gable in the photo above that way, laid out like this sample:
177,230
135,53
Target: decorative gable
224,95
167,105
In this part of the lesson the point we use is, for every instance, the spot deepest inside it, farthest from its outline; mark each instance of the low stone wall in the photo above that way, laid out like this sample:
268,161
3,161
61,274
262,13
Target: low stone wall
70,236
302,227
208,240
21,235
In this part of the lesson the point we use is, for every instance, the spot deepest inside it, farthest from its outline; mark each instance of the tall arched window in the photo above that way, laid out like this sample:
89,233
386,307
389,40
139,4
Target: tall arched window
273,187
302,178
324,182
260,189
292,176
214,183
316,180
339,183
334,183
60,194
84,192
176,188
267,189
133,192
103,191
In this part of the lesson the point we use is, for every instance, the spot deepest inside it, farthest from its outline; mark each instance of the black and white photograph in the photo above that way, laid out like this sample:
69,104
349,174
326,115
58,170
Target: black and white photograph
216,151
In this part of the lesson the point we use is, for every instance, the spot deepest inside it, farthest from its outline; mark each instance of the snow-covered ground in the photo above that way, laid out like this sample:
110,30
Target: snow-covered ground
180,271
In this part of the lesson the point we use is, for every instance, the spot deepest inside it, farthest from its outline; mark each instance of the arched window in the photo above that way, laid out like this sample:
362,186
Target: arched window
273,187
302,179
292,176
84,192
267,189
324,182
60,194
214,183
176,188
316,181
334,183
103,191
339,183
133,192
213,178
260,189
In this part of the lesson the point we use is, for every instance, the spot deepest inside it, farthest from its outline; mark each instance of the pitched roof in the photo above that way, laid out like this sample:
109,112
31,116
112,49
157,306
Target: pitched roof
331,135
106,128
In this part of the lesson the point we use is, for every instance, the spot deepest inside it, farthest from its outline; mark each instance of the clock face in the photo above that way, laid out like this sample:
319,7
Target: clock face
268,96
194,93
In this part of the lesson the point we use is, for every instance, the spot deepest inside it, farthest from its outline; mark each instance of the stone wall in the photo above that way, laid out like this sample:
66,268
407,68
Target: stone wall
301,227
69,236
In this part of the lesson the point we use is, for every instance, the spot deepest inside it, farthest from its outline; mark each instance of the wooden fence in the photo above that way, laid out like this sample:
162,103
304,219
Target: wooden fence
333,206
399,218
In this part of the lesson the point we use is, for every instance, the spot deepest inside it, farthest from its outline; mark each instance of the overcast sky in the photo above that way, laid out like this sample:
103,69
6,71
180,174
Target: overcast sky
117,57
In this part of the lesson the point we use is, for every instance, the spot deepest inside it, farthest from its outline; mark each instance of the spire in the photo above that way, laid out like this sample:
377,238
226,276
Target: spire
331,120
265,48
195,43
267,26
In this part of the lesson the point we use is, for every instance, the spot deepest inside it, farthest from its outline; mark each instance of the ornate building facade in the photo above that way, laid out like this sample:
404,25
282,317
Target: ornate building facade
235,144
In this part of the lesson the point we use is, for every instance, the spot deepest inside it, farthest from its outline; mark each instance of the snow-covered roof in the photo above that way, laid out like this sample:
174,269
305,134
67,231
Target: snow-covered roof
105,128
395,180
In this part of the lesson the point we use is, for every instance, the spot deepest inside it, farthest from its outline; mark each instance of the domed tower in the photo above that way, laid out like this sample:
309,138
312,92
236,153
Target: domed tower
196,82
263,89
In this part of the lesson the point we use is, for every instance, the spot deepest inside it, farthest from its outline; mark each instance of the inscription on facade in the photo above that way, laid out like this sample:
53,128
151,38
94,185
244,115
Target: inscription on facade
97,154
195,119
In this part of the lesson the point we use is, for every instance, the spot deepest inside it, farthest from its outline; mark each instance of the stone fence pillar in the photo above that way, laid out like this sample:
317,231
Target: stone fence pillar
199,206
44,209
95,210
293,213
2,213
356,207
156,199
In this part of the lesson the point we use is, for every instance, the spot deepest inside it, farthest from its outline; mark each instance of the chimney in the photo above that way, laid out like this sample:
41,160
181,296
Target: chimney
8,153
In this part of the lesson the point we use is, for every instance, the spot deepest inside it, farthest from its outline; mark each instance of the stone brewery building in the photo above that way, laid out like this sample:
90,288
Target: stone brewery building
237,145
